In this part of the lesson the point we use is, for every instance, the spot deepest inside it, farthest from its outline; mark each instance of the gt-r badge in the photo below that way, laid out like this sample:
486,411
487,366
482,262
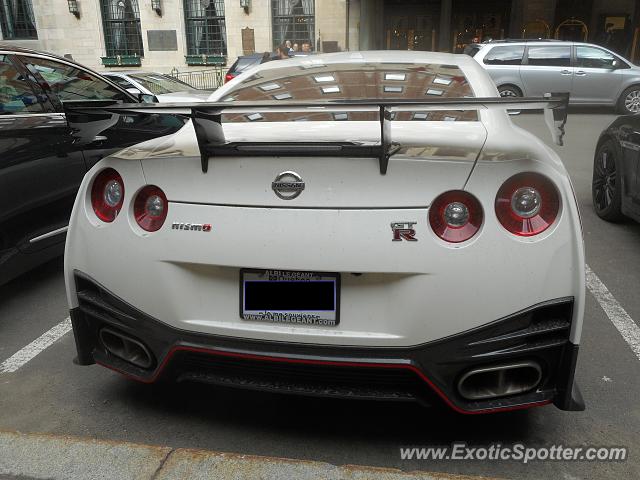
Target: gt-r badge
403,231
194,227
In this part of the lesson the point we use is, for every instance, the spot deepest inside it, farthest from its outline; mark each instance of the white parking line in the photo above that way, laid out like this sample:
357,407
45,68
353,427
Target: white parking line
618,316
41,343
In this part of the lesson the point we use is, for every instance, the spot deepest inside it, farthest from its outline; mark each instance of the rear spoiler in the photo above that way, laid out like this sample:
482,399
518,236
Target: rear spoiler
207,122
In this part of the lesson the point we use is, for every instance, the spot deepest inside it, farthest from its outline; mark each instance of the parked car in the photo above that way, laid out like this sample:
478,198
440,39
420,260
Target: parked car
616,170
592,74
42,159
165,87
381,250
245,62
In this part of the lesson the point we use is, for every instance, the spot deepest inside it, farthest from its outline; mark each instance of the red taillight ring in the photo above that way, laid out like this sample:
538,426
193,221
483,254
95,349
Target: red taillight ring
530,190
107,195
455,216
150,208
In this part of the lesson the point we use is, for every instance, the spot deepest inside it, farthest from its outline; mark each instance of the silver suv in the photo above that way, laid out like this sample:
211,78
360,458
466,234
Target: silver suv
592,74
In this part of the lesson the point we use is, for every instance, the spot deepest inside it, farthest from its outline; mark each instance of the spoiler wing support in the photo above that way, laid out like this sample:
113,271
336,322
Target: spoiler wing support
387,148
556,117
209,132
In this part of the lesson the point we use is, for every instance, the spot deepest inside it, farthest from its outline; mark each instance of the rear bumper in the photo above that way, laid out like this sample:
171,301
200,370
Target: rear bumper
427,373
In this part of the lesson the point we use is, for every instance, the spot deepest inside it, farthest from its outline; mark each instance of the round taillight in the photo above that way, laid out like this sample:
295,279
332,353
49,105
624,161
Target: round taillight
527,204
455,216
107,195
150,208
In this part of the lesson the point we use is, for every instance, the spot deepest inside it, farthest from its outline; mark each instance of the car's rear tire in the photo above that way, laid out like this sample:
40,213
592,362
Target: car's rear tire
509,91
629,101
606,186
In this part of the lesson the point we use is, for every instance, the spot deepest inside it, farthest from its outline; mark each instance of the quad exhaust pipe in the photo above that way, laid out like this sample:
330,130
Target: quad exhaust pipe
126,348
500,381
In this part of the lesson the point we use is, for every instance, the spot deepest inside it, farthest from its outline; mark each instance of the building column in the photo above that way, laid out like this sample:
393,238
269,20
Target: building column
444,40
354,25
516,21
371,25
363,34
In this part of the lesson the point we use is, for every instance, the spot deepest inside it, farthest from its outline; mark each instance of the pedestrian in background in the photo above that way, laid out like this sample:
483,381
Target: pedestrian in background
606,38
287,43
282,52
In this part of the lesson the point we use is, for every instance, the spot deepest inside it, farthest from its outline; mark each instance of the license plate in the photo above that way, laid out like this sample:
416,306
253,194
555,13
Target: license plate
279,296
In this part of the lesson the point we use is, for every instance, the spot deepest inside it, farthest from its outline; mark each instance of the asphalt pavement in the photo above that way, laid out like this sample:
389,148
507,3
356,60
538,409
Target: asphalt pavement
49,394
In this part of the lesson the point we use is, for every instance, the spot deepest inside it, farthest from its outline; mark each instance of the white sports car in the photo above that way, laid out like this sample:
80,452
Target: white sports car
359,225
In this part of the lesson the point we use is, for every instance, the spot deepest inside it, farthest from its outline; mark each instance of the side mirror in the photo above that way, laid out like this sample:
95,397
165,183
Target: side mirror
134,91
147,98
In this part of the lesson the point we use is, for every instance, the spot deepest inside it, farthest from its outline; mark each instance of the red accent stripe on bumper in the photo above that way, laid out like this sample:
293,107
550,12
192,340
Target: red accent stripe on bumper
248,356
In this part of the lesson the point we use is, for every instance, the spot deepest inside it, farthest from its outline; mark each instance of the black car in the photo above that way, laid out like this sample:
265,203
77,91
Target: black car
616,171
247,61
43,158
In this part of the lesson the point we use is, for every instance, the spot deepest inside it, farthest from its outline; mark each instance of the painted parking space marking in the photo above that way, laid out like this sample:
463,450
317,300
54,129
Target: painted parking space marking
616,313
44,341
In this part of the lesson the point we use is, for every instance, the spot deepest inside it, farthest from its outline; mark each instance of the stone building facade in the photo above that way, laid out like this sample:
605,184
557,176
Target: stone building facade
162,35
163,32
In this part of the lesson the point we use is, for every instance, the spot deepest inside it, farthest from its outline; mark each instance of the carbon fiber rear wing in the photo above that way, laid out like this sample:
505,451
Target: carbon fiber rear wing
207,122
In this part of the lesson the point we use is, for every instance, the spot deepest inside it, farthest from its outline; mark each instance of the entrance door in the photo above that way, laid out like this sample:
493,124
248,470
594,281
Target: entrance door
474,21
410,24
409,33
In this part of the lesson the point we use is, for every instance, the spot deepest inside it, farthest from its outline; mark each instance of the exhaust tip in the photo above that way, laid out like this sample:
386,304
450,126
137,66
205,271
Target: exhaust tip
500,380
126,348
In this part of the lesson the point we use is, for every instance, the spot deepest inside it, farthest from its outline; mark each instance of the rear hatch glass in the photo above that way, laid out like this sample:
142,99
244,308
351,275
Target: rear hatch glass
319,81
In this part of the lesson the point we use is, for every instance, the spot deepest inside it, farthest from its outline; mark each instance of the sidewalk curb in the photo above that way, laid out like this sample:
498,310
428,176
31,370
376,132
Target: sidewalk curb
60,457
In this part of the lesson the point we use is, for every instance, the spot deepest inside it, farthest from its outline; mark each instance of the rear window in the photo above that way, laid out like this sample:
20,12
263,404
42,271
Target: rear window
160,84
318,81
243,63
505,55
121,81
472,49
549,56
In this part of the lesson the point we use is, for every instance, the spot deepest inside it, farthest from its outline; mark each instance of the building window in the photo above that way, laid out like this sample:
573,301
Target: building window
122,34
293,20
17,19
206,29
